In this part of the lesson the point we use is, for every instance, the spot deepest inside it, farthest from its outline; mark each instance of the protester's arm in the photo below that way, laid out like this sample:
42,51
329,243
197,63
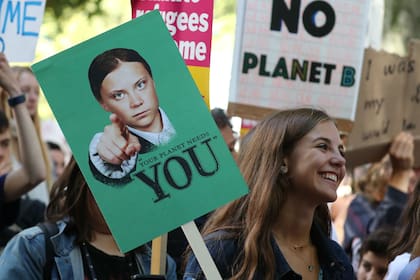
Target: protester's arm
31,171
402,158
24,256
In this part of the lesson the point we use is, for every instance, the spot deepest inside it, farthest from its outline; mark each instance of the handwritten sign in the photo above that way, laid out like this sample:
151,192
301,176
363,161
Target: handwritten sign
411,93
190,25
292,53
20,22
166,184
411,110
388,103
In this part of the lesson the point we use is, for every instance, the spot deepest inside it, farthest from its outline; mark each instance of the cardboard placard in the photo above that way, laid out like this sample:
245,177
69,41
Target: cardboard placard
173,182
389,102
20,24
411,111
297,53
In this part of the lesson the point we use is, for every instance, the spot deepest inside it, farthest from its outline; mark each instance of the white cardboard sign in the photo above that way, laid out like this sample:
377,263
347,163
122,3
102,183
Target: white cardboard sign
292,53
20,22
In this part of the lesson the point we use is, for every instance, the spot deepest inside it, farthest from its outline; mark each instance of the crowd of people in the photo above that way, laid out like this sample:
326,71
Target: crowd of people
293,162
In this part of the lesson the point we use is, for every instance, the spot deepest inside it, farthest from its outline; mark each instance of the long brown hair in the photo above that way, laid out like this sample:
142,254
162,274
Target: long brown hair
250,218
410,226
69,199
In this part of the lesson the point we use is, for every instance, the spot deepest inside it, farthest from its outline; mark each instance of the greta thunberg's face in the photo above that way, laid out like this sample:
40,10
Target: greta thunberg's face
129,92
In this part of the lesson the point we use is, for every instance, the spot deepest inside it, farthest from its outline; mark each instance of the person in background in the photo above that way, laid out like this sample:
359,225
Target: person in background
384,193
32,203
373,254
30,213
30,87
84,247
16,182
58,158
293,162
225,128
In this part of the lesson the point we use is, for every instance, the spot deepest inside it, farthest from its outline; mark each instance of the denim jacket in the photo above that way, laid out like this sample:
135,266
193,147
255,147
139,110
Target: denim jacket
24,257
333,261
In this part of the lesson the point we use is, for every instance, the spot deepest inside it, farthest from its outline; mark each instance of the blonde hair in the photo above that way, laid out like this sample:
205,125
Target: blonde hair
374,182
19,70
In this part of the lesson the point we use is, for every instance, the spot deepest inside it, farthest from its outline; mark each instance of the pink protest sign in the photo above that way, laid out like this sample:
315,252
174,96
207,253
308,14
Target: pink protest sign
188,21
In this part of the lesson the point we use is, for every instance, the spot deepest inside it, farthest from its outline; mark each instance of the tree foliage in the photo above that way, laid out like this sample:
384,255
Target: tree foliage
223,8
400,14
62,8
60,11
403,17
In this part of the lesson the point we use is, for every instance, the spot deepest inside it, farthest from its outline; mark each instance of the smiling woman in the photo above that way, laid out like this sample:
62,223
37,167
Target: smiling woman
293,163
316,165
121,81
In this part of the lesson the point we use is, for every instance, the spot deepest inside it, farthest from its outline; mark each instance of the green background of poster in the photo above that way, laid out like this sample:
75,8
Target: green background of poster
130,211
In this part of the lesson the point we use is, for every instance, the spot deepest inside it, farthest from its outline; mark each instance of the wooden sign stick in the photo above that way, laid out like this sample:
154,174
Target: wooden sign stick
158,264
200,251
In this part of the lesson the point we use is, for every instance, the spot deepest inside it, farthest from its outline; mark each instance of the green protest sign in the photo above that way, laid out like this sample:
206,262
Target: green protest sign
175,165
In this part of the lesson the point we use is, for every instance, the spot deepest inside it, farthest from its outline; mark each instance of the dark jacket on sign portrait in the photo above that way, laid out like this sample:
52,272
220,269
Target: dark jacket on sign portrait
146,147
